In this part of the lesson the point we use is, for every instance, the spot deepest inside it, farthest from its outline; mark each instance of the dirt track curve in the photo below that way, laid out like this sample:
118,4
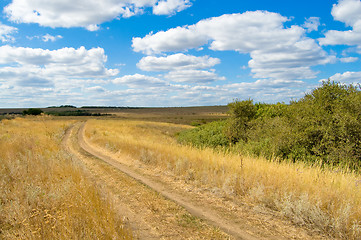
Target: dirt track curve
198,209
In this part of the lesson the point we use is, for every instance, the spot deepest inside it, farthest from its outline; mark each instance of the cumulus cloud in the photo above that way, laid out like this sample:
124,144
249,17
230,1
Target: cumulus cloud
139,80
348,12
292,62
263,84
175,39
48,37
168,7
39,67
96,89
267,90
312,24
347,77
193,76
349,59
6,33
86,13
240,32
276,51
334,37
176,61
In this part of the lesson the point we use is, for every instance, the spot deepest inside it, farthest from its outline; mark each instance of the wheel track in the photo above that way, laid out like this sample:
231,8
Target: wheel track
199,211
140,228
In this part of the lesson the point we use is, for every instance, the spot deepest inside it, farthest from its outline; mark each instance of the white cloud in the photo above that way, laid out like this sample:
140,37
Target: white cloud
348,12
334,37
347,77
276,51
48,37
349,59
96,89
168,7
267,90
6,33
138,80
193,76
39,67
176,61
263,84
241,32
292,62
312,24
85,13
175,39
142,88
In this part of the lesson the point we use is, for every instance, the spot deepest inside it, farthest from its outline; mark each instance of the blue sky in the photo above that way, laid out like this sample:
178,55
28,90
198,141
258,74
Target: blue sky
173,52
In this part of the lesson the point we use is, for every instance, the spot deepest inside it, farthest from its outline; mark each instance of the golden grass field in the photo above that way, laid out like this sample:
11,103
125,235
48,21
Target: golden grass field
326,200
43,193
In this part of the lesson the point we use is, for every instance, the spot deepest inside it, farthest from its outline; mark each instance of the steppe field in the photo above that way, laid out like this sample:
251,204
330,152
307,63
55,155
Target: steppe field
125,175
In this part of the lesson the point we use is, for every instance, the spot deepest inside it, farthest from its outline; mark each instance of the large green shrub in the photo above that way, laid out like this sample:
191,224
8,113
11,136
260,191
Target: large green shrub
328,123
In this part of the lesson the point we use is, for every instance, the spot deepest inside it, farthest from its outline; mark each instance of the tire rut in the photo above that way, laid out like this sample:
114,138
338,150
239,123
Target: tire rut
141,229
148,213
199,211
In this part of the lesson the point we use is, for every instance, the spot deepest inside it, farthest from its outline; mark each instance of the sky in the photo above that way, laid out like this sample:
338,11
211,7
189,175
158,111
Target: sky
162,53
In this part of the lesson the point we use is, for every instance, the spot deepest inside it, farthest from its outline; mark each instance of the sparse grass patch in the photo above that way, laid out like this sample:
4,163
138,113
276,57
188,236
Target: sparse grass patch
325,199
189,220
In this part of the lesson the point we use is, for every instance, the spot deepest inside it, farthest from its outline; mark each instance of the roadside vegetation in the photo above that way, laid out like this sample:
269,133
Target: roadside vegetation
246,157
43,193
323,128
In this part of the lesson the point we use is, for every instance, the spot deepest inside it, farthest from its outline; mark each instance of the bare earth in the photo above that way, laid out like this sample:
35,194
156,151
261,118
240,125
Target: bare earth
157,205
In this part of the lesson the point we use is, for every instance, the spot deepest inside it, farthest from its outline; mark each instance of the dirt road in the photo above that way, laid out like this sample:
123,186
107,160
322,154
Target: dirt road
157,208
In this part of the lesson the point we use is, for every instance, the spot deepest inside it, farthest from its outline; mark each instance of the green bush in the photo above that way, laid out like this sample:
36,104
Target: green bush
207,135
328,123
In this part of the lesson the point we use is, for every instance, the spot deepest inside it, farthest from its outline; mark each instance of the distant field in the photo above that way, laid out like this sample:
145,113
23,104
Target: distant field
20,110
182,115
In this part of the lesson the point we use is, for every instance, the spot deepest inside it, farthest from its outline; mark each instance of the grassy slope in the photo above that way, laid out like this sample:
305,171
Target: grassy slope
323,199
43,193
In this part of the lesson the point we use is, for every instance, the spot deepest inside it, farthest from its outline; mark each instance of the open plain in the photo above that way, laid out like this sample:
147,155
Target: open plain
157,188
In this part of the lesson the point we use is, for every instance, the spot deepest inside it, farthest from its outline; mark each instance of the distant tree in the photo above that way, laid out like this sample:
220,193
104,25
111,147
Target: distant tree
33,111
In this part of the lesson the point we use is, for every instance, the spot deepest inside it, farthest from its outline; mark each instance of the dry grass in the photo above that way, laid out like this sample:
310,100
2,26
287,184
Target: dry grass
43,194
327,200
